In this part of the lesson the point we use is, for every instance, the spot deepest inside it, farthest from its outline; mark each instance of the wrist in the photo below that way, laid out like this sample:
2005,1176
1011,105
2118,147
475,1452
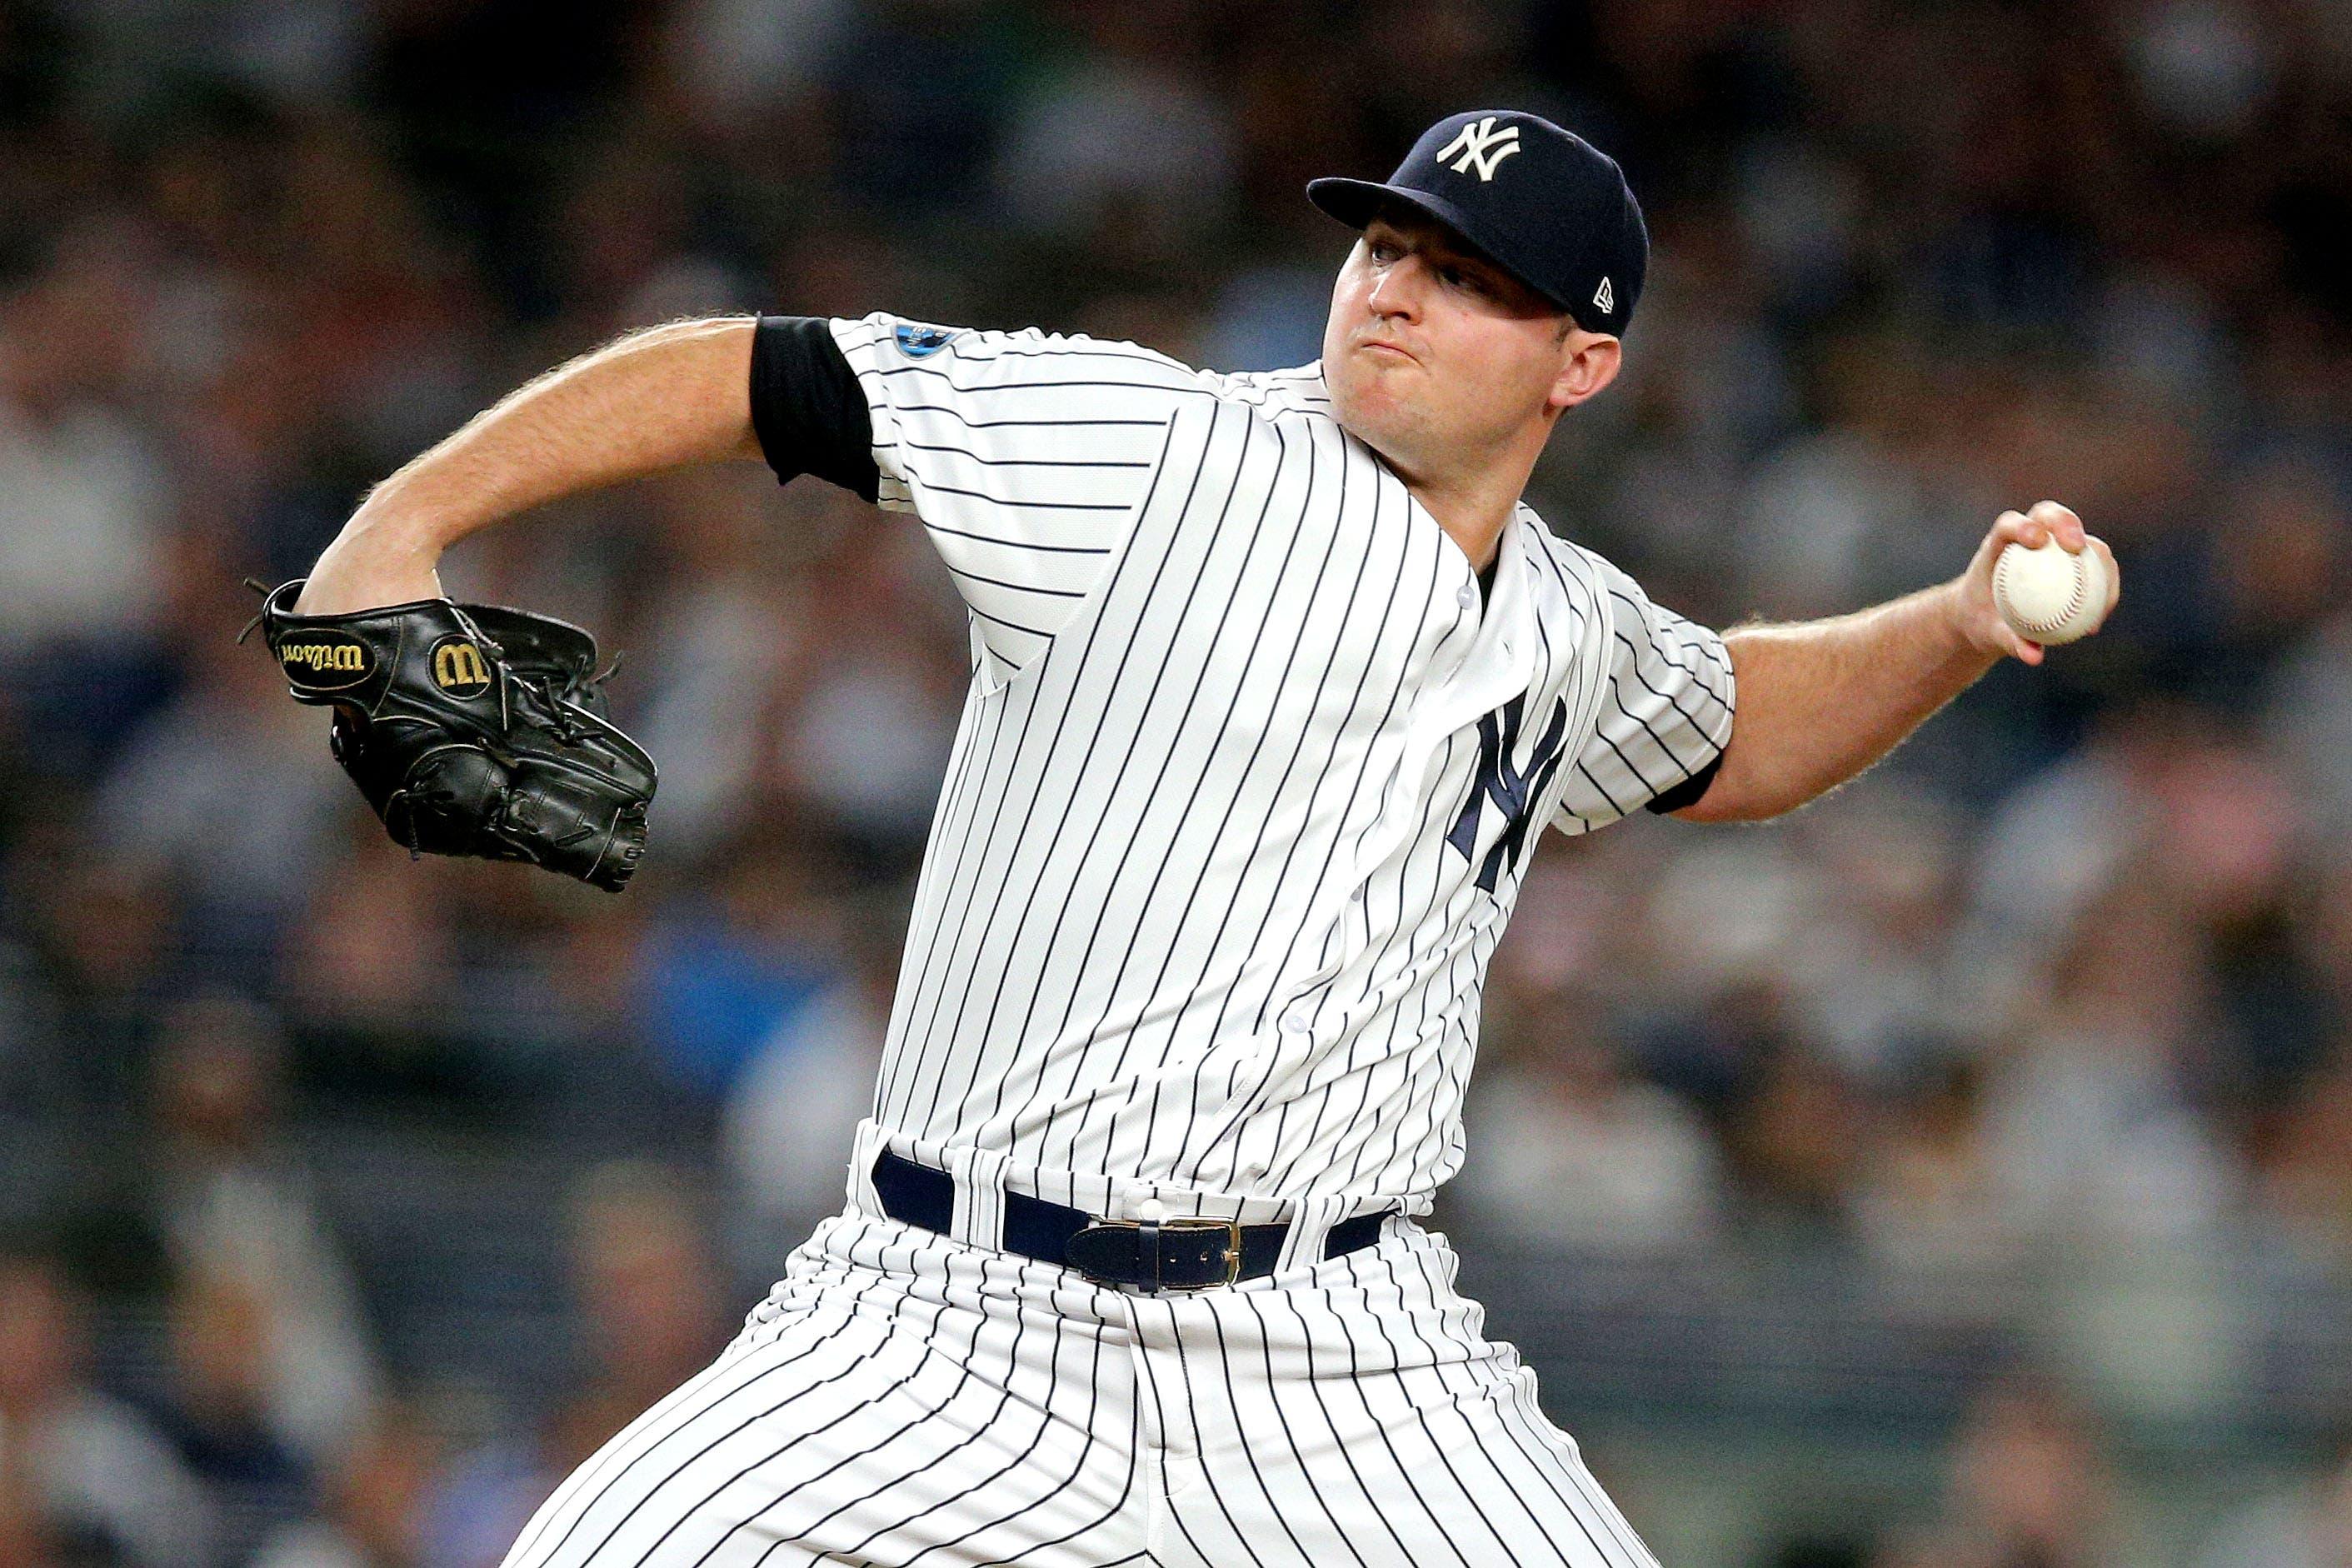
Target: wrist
372,562
1967,625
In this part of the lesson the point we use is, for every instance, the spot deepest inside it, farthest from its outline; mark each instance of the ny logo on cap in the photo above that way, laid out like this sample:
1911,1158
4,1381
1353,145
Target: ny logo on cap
1481,144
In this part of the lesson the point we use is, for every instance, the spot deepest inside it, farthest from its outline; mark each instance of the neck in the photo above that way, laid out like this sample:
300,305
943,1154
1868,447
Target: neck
1474,504
1474,522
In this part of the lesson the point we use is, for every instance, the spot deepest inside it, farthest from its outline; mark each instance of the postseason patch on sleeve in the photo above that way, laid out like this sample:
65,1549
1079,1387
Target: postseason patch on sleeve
325,659
917,341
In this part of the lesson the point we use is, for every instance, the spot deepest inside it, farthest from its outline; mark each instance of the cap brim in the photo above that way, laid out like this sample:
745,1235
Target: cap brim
1354,203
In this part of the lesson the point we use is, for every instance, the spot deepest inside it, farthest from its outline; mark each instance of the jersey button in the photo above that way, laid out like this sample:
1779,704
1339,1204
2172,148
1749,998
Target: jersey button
1468,595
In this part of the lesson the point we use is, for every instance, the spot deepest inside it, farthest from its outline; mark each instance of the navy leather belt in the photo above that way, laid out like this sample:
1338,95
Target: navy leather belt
1173,1255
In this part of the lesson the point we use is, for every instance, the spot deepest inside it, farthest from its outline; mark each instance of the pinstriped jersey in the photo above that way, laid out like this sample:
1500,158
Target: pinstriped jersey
1247,775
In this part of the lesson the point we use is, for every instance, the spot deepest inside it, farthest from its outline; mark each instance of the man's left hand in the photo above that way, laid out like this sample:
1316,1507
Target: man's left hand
1981,624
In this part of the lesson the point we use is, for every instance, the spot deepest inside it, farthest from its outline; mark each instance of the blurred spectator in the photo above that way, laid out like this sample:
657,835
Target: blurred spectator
1933,1199
2031,1488
2205,67
2305,1180
218,1416
2095,1134
107,960
89,1477
371,1516
740,58
23,1534
2060,839
1122,146
84,499
1796,1142
721,643
643,1268
297,49
2310,721
879,693
2309,1526
648,1292
178,804
722,975
916,94
1875,973
1566,1144
242,1221
368,976
793,1115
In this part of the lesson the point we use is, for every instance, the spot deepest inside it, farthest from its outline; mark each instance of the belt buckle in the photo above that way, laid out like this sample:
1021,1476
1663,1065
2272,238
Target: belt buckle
1148,1245
1232,1229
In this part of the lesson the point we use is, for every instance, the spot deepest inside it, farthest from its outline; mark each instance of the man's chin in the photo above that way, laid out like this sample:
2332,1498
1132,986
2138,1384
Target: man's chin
1371,421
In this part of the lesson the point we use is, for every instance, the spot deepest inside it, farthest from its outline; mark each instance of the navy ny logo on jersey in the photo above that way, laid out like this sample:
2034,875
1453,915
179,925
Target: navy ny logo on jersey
1513,793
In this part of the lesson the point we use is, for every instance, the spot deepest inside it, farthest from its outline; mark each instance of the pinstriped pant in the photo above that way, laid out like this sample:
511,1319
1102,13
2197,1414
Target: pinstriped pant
902,1398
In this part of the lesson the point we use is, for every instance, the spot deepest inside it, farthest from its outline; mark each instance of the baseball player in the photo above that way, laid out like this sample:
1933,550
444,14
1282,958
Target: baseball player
1275,680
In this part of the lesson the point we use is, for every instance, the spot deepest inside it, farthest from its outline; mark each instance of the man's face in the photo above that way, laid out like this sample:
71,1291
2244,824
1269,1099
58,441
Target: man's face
1433,354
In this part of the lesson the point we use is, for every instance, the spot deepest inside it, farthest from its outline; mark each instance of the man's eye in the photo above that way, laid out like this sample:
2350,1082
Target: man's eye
1381,250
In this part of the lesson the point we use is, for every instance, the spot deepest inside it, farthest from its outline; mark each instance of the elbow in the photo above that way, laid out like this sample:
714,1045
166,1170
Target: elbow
701,369
1735,795
1707,808
725,344
1761,810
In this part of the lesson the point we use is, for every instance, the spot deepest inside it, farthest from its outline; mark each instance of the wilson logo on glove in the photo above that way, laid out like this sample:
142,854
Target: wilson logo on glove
458,667
325,661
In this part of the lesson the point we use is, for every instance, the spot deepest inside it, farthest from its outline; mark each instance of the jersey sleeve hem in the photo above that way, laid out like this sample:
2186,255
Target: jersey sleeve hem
1665,716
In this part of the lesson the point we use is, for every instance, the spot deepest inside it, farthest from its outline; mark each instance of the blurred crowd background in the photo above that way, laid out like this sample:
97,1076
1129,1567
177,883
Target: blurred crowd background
1958,1174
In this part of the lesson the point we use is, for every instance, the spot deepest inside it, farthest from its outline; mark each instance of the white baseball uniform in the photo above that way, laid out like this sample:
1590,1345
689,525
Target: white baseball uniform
1238,809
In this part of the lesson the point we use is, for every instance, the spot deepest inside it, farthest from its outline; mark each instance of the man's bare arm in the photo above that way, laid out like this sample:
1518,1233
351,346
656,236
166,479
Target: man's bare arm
658,399
1822,700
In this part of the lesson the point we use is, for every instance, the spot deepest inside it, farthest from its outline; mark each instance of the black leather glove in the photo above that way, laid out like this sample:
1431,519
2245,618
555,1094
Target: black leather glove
473,729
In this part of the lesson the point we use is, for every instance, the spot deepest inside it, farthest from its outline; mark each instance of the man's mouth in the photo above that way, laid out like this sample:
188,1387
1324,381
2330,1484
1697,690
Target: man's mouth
1386,348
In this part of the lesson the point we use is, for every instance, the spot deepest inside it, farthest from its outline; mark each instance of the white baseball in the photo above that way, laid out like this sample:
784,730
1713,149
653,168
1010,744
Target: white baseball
2050,594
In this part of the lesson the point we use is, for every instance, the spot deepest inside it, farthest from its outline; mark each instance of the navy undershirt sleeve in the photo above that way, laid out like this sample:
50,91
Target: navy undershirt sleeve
807,407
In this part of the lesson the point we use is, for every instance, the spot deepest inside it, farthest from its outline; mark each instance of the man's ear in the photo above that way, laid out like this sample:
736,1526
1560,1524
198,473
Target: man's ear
1589,363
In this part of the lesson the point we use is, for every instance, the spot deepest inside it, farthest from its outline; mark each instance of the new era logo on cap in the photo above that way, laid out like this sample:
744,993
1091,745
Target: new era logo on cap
1482,146
1605,296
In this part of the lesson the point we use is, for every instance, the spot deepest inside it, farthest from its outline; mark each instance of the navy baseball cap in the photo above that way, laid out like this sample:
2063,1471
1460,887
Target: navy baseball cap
1543,204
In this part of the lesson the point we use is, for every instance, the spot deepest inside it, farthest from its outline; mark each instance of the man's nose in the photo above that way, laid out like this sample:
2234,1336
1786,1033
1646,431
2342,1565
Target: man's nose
1399,290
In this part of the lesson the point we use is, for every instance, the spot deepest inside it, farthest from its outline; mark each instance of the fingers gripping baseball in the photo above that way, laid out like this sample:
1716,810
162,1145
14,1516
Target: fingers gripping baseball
2007,621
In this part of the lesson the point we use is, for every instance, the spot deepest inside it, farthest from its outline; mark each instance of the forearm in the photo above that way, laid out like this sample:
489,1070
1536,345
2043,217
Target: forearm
1822,700
1819,701
656,400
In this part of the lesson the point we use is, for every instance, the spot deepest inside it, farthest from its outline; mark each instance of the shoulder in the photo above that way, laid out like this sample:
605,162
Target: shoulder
1562,565
892,351
892,346
1298,390
1580,588
1581,569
